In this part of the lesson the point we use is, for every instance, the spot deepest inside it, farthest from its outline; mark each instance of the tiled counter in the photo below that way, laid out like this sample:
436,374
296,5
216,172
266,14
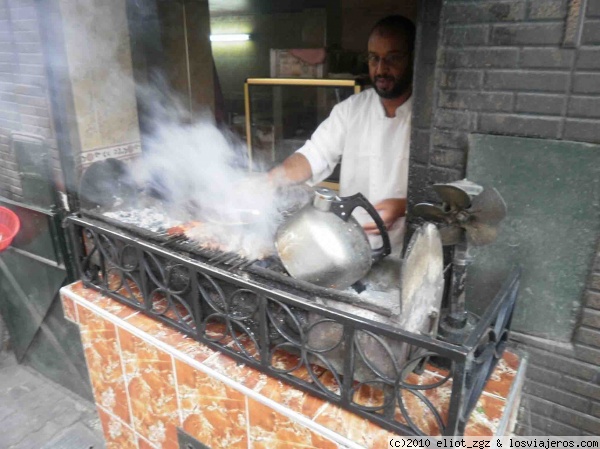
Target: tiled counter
149,379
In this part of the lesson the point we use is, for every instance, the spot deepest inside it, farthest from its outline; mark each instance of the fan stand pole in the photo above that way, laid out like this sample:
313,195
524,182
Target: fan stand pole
455,324
457,315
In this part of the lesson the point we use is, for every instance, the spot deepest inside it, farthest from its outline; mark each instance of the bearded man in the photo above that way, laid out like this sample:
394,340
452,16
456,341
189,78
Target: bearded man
369,132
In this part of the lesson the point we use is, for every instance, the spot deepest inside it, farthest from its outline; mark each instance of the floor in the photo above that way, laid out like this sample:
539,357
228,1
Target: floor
36,413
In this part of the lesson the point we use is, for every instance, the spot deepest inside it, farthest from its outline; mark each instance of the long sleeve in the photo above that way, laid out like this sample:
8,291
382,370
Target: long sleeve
324,149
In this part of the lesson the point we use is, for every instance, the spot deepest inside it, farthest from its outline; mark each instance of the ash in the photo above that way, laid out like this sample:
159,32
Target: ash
150,218
382,283
247,244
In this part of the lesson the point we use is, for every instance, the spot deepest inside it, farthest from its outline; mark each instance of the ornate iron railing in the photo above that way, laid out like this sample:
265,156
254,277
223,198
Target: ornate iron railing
373,367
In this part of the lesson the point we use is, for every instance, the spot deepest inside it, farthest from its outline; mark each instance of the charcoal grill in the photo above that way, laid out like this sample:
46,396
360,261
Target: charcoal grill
262,311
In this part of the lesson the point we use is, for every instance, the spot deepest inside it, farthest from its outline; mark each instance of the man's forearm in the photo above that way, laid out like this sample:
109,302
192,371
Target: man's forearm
294,170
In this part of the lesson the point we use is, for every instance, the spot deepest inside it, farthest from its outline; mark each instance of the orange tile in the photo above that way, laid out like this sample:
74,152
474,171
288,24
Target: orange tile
485,417
440,371
369,395
143,444
144,365
501,379
272,430
239,372
69,308
173,308
216,331
100,300
483,421
372,395
329,382
76,287
270,387
114,307
85,293
353,427
171,337
125,286
213,413
511,359
151,387
420,413
189,346
244,345
289,396
381,438
437,389
292,365
99,338
116,434
145,323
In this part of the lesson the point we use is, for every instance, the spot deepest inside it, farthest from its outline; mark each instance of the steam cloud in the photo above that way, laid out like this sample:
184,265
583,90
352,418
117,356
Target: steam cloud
200,171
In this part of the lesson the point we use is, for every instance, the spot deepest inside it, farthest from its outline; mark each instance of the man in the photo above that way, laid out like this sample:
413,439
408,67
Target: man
369,132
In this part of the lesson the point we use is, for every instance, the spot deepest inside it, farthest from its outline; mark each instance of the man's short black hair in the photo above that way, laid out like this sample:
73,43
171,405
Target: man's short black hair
397,24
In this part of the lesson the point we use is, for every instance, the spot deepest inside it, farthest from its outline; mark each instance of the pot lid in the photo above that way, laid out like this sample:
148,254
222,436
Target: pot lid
105,184
422,281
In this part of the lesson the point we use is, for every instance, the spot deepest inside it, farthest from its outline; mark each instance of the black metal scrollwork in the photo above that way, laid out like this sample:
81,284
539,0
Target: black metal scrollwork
372,369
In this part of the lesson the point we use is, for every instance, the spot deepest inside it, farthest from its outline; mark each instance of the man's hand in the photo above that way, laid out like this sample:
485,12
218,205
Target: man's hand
390,210
294,170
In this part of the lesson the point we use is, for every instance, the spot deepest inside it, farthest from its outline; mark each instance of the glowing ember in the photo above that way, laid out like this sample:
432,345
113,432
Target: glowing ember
235,238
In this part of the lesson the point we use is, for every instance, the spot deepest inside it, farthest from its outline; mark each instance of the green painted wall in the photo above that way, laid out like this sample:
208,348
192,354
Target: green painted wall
552,189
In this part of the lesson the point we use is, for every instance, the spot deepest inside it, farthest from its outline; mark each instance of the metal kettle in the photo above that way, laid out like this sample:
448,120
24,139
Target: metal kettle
323,244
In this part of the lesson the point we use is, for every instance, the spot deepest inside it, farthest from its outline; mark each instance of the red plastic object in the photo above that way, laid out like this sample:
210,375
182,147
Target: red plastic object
9,226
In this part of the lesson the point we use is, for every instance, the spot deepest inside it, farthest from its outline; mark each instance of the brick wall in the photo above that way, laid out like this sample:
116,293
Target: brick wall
517,67
24,104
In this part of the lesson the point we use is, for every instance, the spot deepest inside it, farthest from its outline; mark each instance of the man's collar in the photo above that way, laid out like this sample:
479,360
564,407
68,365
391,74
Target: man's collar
400,110
406,106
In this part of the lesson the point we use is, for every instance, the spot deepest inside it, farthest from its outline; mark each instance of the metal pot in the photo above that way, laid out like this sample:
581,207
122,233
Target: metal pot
106,184
323,244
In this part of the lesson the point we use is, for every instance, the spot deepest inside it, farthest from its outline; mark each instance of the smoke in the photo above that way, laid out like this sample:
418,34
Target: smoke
197,170
200,173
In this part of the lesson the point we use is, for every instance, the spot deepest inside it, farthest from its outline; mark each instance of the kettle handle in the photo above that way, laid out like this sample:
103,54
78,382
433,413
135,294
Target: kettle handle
343,208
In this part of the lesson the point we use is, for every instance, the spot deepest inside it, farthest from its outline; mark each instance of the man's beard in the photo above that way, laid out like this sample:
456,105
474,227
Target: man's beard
400,86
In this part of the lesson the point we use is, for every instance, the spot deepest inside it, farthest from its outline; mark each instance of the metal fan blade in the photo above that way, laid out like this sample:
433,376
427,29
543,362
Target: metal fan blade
454,197
429,212
488,207
480,234
451,235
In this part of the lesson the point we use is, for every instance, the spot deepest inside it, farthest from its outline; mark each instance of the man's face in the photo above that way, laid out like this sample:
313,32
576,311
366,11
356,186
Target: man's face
390,64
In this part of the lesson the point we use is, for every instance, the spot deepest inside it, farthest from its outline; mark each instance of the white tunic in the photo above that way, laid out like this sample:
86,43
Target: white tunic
375,151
